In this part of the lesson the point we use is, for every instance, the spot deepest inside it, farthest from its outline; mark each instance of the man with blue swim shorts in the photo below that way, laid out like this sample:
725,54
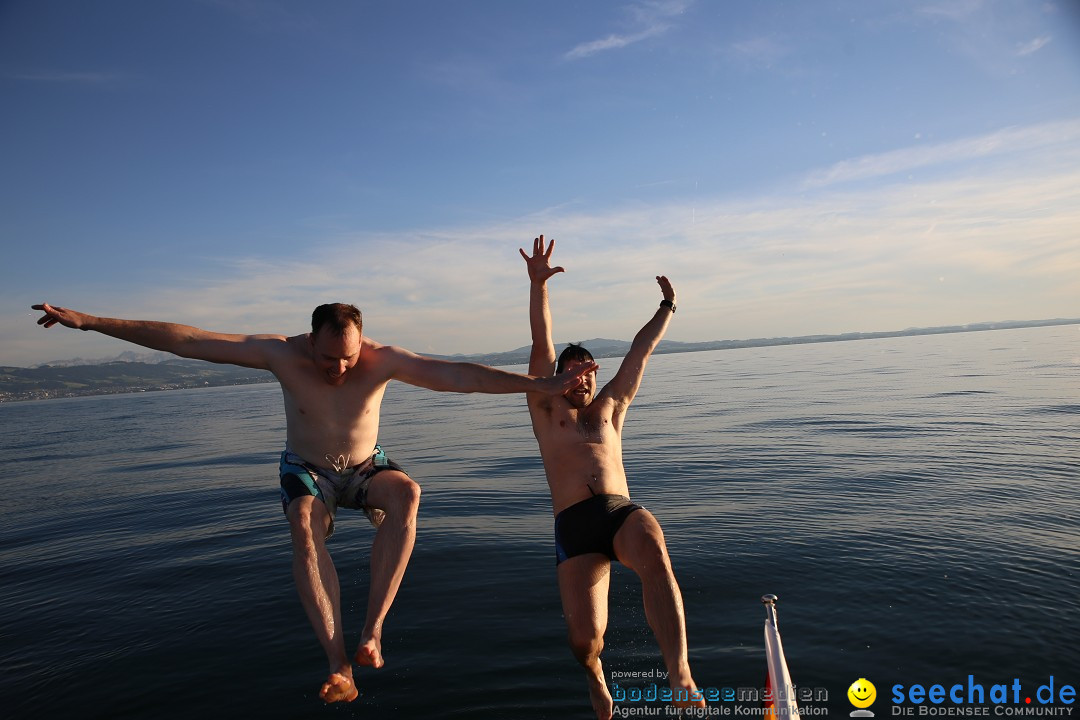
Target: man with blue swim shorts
343,486
332,380
580,439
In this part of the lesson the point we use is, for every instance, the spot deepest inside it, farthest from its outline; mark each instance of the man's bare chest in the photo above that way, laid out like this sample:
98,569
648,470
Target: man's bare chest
583,426
317,400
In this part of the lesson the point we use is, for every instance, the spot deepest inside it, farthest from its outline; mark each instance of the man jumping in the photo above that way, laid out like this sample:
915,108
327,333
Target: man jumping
580,439
333,380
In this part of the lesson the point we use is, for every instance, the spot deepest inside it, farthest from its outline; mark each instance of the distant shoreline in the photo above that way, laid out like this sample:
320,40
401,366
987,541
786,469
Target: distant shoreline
50,382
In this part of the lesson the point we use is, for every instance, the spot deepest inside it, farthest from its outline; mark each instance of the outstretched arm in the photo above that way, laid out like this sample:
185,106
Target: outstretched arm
624,386
247,350
463,377
542,357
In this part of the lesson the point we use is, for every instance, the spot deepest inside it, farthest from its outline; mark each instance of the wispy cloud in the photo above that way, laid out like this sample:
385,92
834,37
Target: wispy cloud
991,36
612,42
648,19
1032,47
899,161
980,242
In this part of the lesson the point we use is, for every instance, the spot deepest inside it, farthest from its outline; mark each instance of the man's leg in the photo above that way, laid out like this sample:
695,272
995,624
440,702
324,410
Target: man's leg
583,585
639,544
317,582
398,496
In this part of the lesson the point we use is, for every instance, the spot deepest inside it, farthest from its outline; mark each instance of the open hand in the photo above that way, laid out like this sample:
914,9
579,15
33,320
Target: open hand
54,315
564,382
665,287
540,263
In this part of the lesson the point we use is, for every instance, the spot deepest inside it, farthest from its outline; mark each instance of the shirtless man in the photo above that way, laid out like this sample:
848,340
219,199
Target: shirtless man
580,438
333,380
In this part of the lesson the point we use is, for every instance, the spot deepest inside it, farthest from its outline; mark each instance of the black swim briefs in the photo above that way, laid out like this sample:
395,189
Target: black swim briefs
590,526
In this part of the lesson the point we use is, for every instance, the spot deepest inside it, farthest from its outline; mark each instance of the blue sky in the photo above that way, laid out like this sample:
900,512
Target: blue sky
793,167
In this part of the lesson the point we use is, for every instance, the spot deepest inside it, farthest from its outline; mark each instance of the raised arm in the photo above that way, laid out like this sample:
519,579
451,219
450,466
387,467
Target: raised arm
463,377
252,351
624,386
542,357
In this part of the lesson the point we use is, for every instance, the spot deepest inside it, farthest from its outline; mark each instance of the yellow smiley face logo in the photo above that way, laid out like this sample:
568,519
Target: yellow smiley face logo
862,693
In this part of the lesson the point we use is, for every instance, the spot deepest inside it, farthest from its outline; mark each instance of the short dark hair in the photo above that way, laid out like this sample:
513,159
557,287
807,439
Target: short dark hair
336,317
572,352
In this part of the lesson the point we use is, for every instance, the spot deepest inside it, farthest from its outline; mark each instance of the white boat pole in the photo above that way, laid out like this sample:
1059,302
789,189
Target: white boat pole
783,705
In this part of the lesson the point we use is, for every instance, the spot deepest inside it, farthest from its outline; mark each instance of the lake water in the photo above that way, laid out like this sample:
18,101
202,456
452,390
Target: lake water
913,502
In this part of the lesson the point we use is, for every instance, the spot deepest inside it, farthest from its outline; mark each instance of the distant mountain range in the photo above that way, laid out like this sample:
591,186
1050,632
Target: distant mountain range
120,376
600,347
133,356
142,371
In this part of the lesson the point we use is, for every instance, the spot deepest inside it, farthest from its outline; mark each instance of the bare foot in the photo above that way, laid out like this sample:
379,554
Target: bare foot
339,687
369,653
601,698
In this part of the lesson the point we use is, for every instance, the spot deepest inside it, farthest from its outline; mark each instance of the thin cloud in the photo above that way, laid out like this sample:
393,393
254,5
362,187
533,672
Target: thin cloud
908,159
980,244
650,18
864,259
612,42
1033,47
990,36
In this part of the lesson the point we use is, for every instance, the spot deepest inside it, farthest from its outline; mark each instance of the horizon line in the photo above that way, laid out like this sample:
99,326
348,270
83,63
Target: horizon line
759,341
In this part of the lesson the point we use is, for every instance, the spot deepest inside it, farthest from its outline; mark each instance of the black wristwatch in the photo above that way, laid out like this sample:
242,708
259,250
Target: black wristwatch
668,304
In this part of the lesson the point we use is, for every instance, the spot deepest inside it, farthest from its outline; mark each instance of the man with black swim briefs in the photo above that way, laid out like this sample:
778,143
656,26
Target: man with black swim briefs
333,380
580,439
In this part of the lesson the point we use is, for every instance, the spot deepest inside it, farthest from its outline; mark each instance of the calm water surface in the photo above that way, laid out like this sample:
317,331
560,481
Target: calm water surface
913,502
